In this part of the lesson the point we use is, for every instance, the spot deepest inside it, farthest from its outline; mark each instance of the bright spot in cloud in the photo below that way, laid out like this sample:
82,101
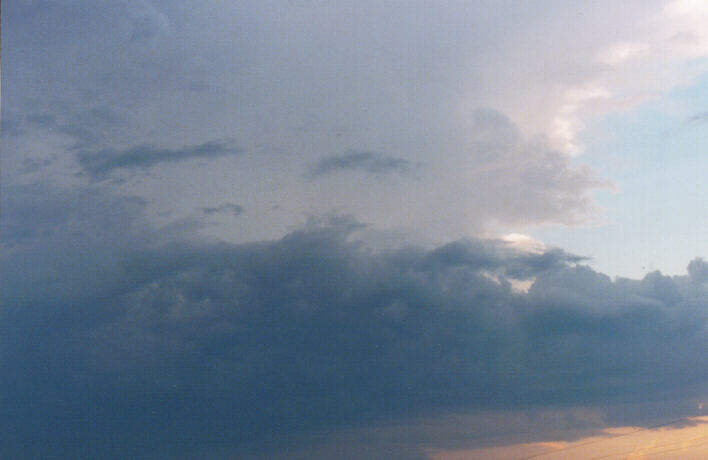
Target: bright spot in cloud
524,243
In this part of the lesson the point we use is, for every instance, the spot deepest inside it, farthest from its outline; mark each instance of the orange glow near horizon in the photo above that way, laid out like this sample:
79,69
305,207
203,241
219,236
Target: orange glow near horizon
689,442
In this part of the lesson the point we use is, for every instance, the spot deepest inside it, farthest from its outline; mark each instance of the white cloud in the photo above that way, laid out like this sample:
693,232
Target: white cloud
524,243
654,55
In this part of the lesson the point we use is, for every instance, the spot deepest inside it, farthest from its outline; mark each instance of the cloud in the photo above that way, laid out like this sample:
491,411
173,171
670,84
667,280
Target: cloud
508,177
121,340
101,163
227,208
41,119
43,213
126,336
11,127
82,134
87,229
87,127
699,117
368,162
698,270
146,23
392,113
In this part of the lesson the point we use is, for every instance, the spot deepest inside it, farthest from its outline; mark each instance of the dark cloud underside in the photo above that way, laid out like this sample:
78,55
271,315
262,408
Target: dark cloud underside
149,350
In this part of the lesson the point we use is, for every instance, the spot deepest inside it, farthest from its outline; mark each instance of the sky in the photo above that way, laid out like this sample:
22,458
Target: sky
307,229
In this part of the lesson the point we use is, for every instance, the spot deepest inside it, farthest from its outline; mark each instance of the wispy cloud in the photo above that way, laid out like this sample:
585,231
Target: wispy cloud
226,208
703,116
369,162
101,163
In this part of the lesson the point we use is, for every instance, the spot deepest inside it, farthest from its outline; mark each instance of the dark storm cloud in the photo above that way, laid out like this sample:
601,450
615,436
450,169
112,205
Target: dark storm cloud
226,208
101,163
369,162
492,257
43,214
118,342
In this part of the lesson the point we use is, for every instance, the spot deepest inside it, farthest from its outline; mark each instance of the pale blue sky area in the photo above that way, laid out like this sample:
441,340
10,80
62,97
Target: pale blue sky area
656,155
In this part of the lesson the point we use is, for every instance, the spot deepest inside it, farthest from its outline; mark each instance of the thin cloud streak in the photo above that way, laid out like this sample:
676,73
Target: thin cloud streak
102,163
699,117
368,162
234,210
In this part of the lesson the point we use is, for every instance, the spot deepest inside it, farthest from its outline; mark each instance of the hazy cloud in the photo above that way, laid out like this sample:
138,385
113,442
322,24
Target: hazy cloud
87,127
11,126
147,23
41,119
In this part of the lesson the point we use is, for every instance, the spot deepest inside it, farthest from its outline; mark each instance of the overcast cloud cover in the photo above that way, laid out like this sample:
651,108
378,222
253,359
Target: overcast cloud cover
276,229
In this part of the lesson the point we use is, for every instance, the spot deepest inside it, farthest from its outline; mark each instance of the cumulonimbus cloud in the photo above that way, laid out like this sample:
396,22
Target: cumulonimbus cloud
314,330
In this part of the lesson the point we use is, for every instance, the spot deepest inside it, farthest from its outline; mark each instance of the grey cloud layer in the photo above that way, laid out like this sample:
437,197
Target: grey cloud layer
148,349
398,91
